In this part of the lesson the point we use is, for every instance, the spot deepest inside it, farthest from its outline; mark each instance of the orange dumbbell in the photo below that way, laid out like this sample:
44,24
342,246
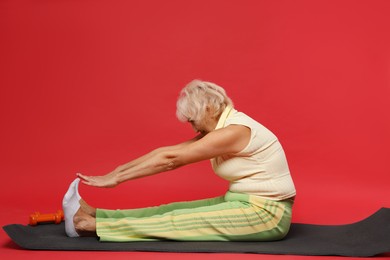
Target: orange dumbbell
37,217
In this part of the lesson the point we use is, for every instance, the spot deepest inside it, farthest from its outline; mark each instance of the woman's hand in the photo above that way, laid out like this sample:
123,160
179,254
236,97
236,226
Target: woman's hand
105,181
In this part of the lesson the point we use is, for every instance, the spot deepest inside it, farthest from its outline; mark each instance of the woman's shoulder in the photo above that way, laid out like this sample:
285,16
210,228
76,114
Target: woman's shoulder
237,117
240,118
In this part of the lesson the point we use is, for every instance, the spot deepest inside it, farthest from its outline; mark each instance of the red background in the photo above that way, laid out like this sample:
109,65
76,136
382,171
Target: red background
88,85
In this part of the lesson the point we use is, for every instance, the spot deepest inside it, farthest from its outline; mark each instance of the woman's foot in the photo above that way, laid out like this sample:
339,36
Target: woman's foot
70,206
84,223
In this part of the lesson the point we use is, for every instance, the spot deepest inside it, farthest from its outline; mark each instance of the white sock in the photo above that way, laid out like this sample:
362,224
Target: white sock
70,205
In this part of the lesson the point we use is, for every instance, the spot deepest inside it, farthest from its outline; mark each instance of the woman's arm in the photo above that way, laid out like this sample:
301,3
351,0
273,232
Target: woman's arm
109,179
229,140
149,155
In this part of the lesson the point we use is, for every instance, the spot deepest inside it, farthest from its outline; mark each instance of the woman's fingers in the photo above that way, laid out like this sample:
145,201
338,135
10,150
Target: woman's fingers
88,180
97,181
82,177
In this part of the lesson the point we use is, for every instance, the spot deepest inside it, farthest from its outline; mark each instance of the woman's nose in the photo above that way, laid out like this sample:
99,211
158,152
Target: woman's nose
194,127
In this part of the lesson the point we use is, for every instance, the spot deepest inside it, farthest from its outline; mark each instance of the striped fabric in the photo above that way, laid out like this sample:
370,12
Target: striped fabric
233,217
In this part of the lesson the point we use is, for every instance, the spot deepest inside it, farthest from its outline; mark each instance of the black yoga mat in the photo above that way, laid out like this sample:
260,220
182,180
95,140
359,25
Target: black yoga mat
368,237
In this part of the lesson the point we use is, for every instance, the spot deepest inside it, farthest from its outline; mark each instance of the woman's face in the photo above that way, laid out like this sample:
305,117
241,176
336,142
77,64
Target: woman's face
198,126
204,126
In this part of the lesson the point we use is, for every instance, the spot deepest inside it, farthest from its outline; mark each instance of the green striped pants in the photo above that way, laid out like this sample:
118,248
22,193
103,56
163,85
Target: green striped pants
233,217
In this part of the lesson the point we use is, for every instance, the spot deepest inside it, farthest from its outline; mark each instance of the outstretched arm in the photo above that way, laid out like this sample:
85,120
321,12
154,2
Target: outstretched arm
229,140
110,180
149,155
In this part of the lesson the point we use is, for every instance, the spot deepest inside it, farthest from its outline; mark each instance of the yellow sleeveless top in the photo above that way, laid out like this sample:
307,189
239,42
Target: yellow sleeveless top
261,167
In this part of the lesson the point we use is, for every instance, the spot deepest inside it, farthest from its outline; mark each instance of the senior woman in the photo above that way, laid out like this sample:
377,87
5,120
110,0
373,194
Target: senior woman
257,206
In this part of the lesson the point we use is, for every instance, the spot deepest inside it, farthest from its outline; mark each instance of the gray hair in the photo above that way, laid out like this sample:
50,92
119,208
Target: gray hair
199,95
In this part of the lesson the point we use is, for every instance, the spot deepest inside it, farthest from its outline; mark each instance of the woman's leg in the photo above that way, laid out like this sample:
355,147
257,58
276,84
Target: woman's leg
158,210
87,208
239,217
85,219
230,218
